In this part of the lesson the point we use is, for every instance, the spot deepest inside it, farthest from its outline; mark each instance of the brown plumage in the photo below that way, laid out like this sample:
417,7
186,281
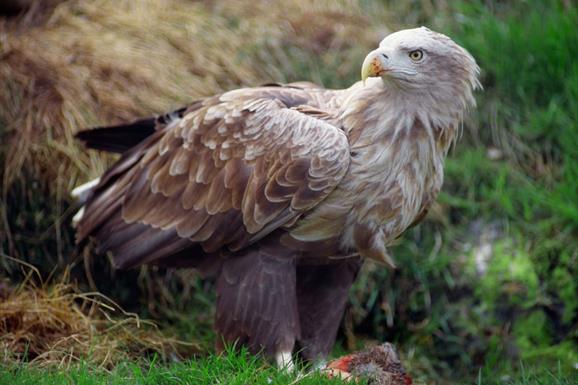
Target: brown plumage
279,191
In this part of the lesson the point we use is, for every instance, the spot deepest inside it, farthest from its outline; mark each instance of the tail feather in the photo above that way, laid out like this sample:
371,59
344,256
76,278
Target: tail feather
81,193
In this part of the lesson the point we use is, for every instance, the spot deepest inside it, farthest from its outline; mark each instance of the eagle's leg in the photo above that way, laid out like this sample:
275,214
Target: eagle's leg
322,292
256,303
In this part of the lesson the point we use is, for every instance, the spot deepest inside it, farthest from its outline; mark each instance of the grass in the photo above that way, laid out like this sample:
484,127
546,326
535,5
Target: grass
234,368
55,325
527,376
229,369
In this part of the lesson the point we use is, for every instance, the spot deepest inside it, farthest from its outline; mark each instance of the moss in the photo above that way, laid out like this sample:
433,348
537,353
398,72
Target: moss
565,286
510,277
532,331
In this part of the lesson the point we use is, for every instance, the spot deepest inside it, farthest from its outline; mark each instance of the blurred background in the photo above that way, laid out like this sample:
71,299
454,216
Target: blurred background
488,282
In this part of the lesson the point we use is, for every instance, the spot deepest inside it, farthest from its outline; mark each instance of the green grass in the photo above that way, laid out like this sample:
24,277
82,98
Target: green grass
527,376
214,370
233,368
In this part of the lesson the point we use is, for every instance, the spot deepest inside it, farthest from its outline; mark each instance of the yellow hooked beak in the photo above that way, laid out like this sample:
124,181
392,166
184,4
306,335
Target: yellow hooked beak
373,65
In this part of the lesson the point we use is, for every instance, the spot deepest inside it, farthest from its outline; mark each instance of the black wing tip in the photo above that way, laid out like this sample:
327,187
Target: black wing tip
122,137
119,138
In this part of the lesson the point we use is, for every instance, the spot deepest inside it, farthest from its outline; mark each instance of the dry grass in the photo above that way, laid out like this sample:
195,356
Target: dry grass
104,61
55,325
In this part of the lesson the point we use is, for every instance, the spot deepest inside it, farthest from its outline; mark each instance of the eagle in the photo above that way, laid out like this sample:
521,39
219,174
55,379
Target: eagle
280,192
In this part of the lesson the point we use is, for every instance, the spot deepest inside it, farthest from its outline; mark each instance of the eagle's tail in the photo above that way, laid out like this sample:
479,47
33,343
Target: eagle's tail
116,139
81,194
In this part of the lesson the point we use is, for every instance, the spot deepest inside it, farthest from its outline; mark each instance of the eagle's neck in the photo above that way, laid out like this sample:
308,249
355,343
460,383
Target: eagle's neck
378,113
398,145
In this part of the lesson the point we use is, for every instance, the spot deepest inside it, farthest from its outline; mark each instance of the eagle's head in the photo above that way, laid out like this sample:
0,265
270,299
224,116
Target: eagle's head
421,61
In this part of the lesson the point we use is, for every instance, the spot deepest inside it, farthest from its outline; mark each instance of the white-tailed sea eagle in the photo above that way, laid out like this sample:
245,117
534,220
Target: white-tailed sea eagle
281,191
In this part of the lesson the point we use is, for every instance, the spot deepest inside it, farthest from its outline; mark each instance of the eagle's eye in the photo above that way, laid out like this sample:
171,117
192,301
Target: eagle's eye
416,55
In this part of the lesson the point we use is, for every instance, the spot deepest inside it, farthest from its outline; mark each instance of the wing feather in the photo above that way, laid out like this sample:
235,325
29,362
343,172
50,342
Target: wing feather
231,171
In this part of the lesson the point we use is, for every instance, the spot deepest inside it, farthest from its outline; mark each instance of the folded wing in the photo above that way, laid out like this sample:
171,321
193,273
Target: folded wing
227,173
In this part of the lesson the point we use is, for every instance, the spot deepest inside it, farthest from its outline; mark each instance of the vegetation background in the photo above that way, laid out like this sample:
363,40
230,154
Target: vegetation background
487,287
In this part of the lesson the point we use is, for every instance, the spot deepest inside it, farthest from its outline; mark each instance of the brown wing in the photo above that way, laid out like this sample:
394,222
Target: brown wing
226,174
